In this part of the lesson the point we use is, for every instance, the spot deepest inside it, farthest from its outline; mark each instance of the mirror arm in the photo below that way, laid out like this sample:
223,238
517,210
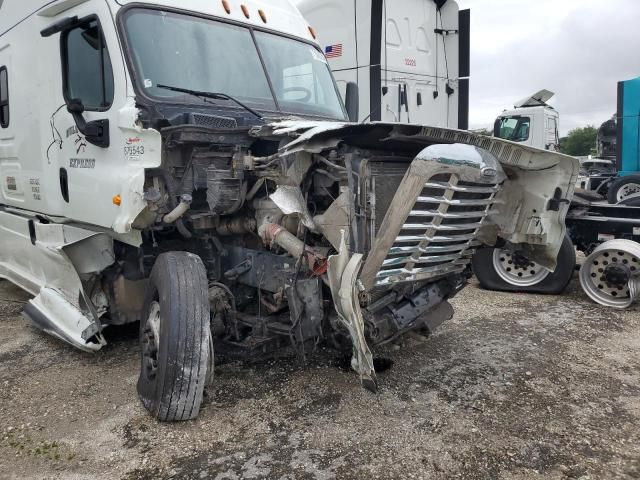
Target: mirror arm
96,132
61,26
81,123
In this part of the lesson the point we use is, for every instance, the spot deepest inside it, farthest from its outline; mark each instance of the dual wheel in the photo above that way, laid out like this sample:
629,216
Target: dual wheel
610,276
625,190
175,337
501,270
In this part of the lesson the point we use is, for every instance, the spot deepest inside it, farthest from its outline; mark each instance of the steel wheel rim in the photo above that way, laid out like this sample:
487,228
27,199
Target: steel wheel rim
595,273
515,271
627,190
151,341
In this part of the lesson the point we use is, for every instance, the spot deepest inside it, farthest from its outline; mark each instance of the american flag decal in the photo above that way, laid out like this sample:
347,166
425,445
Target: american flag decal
333,51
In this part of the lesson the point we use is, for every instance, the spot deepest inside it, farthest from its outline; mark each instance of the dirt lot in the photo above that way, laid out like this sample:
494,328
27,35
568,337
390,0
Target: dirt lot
514,387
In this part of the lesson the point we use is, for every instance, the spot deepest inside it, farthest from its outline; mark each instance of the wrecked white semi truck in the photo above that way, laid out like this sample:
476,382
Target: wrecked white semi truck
191,166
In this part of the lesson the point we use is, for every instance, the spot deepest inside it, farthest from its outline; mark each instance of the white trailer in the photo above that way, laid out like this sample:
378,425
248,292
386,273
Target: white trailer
192,167
410,58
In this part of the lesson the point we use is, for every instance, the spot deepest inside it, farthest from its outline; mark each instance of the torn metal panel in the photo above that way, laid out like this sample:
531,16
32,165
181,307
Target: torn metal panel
335,220
100,244
290,200
53,314
343,281
52,268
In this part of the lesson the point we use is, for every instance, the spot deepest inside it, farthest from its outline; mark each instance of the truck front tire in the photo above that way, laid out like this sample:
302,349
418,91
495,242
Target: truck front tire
174,338
553,283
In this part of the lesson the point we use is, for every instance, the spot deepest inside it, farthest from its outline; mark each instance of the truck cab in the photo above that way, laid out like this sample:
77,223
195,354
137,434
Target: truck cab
532,122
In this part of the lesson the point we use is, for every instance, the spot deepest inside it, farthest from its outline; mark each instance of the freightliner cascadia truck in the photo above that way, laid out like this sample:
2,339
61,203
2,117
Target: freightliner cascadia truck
191,166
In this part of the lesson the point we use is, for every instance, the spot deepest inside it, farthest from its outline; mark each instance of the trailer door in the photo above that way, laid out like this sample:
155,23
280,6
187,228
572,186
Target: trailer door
419,64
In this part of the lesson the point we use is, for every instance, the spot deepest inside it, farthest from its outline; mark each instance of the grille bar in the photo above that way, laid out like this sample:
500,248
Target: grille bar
434,238
404,274
445,228
391,262
450,215
462,188
432,249
456,202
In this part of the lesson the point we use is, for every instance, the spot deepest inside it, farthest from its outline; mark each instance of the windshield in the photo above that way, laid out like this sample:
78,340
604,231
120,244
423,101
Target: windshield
205,55
513,128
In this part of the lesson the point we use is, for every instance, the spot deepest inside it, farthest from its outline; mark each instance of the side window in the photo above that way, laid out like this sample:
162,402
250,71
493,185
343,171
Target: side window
522,131
515,129
87,71
4,97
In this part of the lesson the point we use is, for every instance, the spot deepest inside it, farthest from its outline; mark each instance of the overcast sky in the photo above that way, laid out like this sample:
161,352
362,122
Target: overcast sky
578,49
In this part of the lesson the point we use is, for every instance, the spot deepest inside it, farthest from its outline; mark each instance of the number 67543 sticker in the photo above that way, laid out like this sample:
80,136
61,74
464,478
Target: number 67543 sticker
132,152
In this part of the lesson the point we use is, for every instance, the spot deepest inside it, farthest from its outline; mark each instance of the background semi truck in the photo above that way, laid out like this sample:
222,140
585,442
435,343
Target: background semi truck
192,168
532,122
627,143
409,58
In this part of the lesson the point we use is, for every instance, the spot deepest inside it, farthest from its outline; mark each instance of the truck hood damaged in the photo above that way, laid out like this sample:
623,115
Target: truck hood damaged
414,205
535,186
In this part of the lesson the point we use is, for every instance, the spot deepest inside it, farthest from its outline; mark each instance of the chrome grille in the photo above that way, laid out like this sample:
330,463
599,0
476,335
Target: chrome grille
439,235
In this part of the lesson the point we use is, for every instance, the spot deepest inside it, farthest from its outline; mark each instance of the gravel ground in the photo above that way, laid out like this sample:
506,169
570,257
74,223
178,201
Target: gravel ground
515,387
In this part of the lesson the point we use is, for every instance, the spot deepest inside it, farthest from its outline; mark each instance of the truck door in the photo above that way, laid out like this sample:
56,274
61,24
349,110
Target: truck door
405,52
89,163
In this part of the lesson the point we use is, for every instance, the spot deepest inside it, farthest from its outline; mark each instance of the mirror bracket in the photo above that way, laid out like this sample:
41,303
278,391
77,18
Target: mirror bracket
96,132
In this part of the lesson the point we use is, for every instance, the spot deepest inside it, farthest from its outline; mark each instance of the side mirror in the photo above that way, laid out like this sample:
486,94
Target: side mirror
352,101
96,132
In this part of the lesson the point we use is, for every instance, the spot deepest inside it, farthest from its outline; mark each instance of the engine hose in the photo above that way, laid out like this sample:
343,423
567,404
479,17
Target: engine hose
168,182
272,233
182,228
178,212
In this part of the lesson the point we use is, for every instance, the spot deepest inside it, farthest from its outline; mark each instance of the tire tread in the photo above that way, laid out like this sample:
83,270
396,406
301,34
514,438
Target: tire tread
553,284
184,298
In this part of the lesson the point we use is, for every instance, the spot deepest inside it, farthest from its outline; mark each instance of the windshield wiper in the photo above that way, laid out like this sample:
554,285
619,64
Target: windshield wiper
212,95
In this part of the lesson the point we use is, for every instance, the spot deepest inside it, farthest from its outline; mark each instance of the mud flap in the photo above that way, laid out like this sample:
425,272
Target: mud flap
343,281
